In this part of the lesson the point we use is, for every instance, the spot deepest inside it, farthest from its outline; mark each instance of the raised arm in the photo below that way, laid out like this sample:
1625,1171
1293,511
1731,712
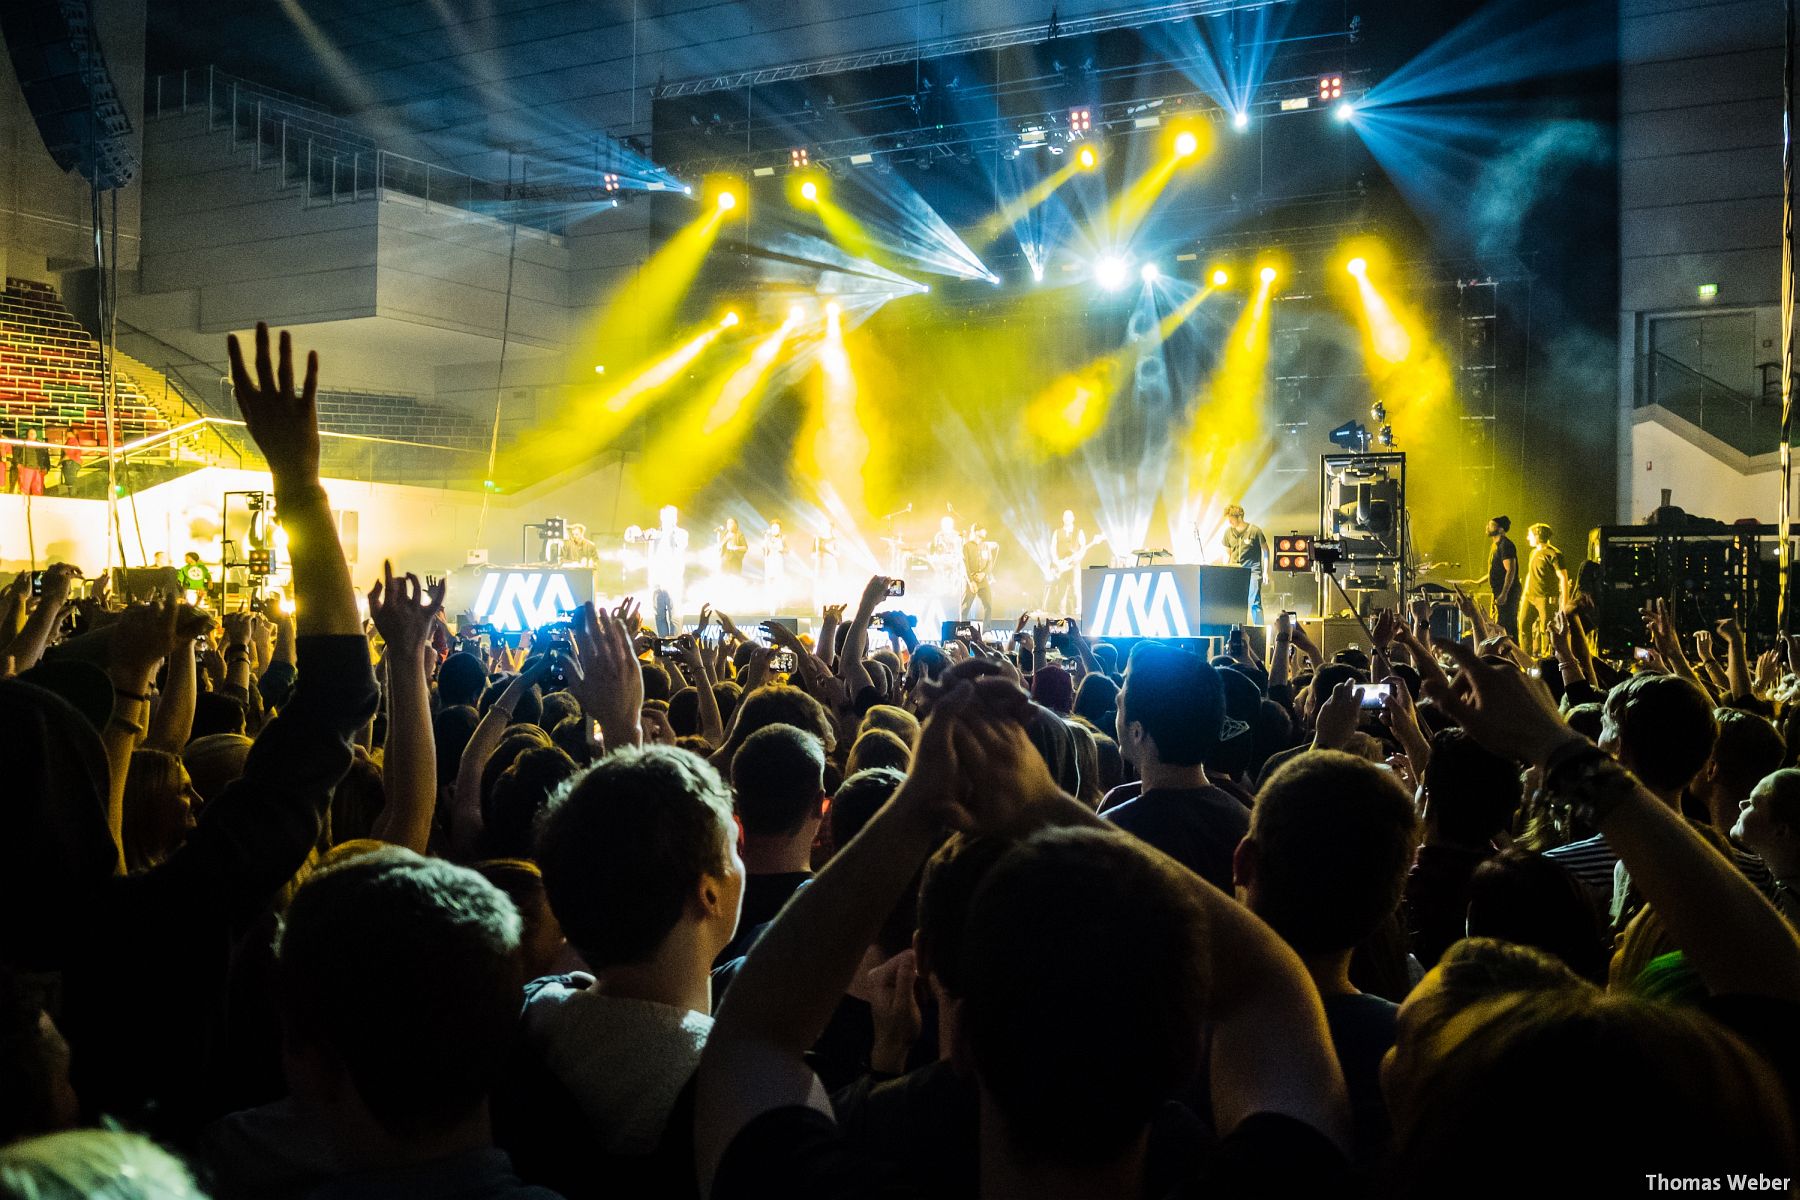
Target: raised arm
465,798
611,683
712,722
40,626
172,719
1737,665
252,839
856,645
404,612
142,638
1736,940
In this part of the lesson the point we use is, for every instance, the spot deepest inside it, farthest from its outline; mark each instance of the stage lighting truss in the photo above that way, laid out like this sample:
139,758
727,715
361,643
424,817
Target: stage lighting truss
1294,553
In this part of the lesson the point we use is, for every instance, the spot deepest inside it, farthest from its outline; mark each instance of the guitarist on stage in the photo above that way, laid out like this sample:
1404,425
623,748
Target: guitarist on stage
1068,546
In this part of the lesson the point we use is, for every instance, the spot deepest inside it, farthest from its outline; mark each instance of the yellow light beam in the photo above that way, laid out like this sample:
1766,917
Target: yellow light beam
642,307
1166,328
1029,199
699,442
834,448
593,417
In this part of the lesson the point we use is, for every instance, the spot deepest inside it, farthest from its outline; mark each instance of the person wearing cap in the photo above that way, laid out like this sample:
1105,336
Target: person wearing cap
1171,717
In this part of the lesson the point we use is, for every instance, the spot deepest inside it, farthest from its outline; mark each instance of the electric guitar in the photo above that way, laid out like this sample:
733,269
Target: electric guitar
1069,561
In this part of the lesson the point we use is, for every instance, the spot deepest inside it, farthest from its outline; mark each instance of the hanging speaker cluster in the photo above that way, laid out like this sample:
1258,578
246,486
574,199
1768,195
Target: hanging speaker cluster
63,74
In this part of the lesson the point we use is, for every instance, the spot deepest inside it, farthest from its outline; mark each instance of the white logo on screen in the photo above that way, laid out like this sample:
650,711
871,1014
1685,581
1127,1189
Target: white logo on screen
1141,604
514,600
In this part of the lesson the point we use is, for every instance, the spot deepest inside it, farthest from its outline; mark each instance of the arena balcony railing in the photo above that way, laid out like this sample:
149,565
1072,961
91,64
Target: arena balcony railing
329,157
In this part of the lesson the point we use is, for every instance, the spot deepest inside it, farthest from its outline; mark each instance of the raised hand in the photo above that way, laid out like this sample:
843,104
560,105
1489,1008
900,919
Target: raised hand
237,628
403,610
192,623
283,423
1337,717
895,1005
630,615
142,637
1505,710
1387,623
611,683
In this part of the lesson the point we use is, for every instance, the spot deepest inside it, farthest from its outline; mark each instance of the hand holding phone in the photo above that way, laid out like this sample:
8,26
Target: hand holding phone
896,588
1372,695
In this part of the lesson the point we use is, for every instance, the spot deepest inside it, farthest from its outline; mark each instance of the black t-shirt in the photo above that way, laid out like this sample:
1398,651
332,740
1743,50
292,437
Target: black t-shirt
796,1153
1200,828
1362,1030
1245,547
764,896
1503,549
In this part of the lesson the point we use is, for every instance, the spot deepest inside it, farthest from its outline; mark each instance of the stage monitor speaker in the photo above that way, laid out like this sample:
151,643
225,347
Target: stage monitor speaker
62,74
138,583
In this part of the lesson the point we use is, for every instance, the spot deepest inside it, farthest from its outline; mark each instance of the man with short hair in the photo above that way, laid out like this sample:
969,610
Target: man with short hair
1749,750
641,869
1171,716
1324,863
1247,546
1769,824
1546,589
778,776
1503,575
1661,727
398,990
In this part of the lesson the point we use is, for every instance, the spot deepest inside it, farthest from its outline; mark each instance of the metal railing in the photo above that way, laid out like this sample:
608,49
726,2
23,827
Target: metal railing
1744,422
327,157
207,441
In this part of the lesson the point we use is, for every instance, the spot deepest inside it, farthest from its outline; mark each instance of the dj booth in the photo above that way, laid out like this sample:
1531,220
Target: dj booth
1182,600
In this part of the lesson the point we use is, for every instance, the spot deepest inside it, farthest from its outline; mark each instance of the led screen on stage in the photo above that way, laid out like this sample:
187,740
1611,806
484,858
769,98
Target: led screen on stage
514,599
1180,601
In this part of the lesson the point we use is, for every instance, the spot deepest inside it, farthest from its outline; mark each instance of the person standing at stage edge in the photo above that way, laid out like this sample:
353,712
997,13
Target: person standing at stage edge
1503,575
1546,588
1246,545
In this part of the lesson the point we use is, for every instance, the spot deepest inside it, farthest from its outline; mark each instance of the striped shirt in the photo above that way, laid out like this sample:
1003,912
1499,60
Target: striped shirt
1590,861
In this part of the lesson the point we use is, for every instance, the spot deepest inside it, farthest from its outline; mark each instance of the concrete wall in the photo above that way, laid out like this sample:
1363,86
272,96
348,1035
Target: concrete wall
1705,477
45,222
1700,187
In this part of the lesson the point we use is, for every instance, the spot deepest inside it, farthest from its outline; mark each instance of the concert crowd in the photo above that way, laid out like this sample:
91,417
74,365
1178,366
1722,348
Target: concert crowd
295,907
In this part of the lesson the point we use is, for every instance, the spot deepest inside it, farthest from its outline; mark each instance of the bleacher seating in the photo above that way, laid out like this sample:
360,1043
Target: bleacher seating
51,377
399,417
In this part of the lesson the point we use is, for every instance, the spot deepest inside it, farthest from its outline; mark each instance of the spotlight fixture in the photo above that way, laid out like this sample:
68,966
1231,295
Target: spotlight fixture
1267,274
1378,412
1110,272
1150,273
727,201
1080,121
1186,144
730,319
1387,435
1087,158
1241,121
798,158
1331,87
809,190
1343,111
832,311
1221,277
1037,274
599,368
1293,552
687,189
1358,267
1351,435
610,182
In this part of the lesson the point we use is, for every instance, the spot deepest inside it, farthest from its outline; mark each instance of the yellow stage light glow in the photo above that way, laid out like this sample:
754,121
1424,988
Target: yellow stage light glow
809,190
727,201
1358,267
1186,144
1087,159
1150,273
796,314
1267,275
730,319
832,311
1221,277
